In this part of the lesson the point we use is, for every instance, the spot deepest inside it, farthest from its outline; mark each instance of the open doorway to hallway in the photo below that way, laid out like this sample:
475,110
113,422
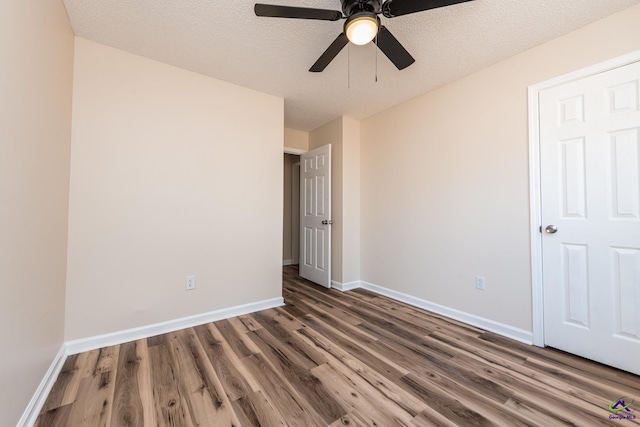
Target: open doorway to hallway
291,210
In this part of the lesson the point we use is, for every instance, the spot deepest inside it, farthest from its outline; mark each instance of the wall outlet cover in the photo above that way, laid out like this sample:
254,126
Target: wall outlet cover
191,283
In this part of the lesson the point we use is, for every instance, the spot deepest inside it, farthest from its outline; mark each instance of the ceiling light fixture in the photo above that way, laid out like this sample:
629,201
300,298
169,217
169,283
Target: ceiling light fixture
362,27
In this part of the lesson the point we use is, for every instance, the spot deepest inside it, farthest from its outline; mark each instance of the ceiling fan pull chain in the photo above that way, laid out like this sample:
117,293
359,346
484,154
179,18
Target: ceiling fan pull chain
349,66
376,49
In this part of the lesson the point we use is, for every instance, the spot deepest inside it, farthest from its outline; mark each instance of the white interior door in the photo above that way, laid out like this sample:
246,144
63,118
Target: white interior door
590,194
315,215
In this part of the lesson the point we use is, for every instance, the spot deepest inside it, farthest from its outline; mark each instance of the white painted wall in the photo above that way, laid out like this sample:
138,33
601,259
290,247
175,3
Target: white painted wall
445,179
36,53
167,180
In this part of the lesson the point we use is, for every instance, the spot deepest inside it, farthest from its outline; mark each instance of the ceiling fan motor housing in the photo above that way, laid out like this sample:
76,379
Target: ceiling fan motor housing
351,7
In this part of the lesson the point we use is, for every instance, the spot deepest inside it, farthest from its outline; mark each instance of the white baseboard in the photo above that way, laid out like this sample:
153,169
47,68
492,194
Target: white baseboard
34,407
92,343
42,392
114,338
471,319
287,262
344,287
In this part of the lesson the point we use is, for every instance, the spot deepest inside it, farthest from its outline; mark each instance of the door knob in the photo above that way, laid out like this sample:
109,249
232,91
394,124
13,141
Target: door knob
551,229
327,222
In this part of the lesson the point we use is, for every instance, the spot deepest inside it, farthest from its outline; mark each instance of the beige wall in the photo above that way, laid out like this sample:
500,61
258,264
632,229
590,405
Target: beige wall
445,179
350,200
296,139
167,181
36,52
288,213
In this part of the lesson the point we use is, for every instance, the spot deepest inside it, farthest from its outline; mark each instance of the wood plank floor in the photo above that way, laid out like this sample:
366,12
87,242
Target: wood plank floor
328,359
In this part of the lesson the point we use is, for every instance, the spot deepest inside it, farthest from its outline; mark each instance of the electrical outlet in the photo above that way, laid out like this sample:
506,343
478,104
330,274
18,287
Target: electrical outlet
480,283
191,283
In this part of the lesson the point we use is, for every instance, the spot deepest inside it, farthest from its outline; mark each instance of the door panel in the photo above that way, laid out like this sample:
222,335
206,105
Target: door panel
315,194
590,190
626,267
573,188
576,284
624,174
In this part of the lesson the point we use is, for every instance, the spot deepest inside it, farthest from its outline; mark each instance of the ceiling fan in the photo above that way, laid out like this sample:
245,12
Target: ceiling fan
362,24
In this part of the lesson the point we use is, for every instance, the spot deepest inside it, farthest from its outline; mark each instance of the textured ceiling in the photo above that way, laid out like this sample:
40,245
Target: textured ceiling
225,40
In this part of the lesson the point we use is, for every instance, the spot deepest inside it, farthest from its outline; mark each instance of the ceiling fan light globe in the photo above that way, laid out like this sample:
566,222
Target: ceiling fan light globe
362,30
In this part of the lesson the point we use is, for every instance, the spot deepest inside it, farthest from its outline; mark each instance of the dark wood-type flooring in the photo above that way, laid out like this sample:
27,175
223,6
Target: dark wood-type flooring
328,359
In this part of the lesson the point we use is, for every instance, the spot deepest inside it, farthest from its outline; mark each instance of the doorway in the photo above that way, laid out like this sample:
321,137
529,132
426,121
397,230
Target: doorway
308,207
291,210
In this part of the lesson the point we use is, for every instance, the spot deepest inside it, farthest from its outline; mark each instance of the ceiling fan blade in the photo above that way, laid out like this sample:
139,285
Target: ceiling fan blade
276,11
393,8
332,51
391,47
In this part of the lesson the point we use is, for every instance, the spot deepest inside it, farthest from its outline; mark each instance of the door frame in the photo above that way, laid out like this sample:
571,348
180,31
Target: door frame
295,204
295,212
535,205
